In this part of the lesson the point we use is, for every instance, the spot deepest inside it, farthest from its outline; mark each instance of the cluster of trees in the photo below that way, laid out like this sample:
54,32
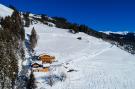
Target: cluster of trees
44,18
31,82
74,27
127,41
14,25
26,19
9,61
12,36
61,22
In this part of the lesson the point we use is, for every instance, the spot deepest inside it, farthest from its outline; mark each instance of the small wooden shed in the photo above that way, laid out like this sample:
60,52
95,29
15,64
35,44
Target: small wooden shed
35,65
46,58
45,69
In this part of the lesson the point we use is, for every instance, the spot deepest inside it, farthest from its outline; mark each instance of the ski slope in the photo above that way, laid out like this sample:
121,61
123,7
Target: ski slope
97,64
5,11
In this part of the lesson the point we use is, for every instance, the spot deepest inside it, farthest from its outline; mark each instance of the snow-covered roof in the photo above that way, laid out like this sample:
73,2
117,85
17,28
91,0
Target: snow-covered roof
39,62
46,65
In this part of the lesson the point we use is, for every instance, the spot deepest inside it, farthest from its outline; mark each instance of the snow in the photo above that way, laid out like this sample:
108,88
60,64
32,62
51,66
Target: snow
51,24
34,15
89,63
39,62
5,11
96,63
118,32
46,65
112,69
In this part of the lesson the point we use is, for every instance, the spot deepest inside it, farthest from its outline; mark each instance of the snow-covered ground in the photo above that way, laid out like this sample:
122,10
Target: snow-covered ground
118,32
89,63
5,11
96,63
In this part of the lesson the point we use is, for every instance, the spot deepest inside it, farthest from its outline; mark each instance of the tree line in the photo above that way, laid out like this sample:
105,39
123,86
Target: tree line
12,36
124,41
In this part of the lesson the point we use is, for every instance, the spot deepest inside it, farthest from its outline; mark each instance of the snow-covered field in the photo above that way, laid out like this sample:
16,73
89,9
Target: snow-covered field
89,63
96,63
5,11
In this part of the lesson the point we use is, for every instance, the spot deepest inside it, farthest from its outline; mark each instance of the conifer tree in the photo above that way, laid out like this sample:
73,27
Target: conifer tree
31,83
33,39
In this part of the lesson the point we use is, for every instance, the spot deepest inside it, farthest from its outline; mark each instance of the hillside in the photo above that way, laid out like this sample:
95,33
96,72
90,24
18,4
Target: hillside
81,61
97,64
7,11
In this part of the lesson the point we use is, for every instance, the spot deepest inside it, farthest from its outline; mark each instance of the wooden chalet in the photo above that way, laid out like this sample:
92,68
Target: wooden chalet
46,58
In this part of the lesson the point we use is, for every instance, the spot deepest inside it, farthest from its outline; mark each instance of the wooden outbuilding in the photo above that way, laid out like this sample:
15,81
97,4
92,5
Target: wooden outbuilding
46,58
45,69
35,65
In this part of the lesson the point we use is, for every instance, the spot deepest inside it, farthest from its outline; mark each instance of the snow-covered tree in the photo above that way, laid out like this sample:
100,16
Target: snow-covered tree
33,39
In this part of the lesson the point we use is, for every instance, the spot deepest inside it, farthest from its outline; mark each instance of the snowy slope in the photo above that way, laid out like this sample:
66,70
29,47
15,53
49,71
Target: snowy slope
5,11
97,64
118,32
